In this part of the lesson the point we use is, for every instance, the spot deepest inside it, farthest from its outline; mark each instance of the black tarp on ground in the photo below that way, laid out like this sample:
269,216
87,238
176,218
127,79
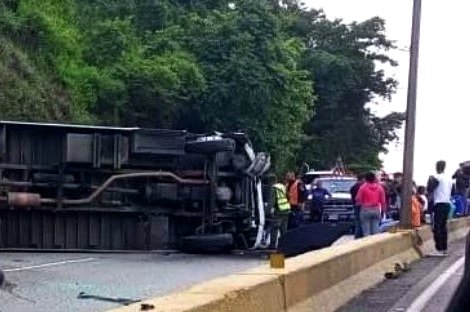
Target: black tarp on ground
311,237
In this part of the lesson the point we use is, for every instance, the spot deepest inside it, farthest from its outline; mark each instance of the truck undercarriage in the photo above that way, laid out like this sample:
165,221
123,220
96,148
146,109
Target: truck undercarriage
104,188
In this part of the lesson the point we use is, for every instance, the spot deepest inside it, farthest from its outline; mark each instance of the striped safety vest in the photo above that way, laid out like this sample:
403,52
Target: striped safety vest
281,198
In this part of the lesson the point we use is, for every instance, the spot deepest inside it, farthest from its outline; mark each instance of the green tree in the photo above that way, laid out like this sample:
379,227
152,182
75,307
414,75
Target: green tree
342,60
257,66
254,82
145,76
27,91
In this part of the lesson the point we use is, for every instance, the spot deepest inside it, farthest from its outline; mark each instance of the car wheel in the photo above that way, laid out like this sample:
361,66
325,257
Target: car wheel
210,243
210,145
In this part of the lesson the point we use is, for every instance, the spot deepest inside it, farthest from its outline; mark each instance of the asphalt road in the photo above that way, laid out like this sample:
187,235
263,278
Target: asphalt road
428,287
53,281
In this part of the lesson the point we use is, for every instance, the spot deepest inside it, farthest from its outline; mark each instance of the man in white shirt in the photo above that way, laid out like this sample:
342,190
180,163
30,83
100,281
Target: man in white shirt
440,185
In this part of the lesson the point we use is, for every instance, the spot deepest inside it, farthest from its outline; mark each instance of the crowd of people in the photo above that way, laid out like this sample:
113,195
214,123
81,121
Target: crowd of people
288,203
377,200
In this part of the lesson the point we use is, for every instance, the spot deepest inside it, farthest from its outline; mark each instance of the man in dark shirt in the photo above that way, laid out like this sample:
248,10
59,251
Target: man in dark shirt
357,209
462,182
394,196
318,195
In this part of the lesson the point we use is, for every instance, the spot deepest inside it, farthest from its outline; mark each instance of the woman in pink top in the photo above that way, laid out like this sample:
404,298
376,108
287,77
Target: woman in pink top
371,199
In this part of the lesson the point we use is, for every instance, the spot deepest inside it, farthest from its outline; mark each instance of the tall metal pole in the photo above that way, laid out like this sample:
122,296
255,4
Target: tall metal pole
408,154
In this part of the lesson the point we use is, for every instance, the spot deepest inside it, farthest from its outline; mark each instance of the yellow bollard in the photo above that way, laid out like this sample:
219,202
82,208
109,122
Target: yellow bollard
277,260
393,229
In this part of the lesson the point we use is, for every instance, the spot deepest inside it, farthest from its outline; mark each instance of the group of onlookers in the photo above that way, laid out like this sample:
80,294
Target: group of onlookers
287,203
375,201
373,197
294,194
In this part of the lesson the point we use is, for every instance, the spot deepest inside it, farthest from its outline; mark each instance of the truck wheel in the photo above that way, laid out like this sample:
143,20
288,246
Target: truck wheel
210,243
223,159
210,145
240,161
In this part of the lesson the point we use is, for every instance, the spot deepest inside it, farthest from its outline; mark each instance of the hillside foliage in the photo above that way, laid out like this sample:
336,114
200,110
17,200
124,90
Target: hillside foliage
297,82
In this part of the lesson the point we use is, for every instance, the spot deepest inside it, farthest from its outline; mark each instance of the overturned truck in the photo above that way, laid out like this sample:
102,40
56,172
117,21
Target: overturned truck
107,188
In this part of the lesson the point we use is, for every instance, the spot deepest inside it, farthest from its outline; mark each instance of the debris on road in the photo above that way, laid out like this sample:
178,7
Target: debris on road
123,301
398,270
146,307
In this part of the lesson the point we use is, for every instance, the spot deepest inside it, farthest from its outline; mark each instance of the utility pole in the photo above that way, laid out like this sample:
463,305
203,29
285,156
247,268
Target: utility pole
408,154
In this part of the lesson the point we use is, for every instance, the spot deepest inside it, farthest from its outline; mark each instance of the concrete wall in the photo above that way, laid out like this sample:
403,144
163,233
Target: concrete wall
322,280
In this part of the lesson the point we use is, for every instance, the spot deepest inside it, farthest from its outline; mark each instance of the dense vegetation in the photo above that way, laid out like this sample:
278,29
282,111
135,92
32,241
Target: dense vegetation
295,80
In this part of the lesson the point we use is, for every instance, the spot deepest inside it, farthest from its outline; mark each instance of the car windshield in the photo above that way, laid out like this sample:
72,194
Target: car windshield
338,186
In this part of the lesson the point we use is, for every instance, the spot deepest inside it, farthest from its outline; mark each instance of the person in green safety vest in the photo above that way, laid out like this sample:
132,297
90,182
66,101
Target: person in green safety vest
281,206
280,209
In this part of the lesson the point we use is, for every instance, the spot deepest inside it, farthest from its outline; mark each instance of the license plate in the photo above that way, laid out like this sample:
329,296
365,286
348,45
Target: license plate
333,217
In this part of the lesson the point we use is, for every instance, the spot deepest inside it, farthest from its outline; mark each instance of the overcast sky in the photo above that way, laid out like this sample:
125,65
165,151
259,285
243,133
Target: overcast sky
442,111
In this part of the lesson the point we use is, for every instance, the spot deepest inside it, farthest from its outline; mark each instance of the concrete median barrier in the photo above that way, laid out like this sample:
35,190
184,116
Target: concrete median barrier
321,280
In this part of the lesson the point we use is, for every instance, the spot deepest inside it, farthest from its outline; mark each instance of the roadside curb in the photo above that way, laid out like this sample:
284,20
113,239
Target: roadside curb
321,280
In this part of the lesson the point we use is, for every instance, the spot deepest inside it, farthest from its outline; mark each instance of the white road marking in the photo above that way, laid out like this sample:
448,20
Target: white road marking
420,302
45,265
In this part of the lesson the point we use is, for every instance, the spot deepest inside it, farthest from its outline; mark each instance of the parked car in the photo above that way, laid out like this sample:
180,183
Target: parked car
339,207
312,175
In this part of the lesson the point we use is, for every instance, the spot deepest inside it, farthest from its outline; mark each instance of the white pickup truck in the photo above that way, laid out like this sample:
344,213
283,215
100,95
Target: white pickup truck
339,207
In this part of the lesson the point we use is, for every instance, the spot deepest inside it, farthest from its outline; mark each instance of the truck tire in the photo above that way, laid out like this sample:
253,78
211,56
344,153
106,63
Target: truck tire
211,146
223,159
240,162
209,243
